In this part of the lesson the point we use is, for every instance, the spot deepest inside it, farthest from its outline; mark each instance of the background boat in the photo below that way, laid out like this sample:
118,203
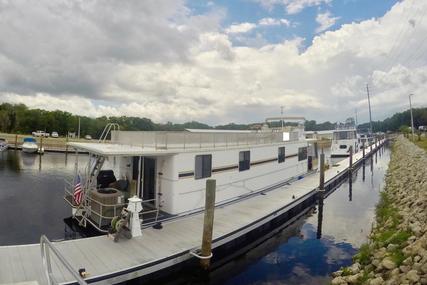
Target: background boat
30,145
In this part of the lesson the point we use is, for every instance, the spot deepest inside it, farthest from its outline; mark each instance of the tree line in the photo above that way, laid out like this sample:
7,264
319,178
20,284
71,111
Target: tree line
18,118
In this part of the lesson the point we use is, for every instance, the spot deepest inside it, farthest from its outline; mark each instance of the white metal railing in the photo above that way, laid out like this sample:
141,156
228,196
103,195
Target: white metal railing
46,246
194,140
108,128
96,209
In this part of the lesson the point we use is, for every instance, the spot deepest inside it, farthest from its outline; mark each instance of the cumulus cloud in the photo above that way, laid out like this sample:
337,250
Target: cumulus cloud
325,21
274,22
240,28
292,6
159,60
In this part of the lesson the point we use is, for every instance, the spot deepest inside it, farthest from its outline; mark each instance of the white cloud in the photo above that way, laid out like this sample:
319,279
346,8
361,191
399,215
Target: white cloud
292,6
274,22
240,28
325,21
178,66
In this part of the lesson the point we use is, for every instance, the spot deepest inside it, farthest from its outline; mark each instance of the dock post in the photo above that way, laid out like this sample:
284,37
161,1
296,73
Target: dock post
322,172
363,146
66,145
351,159
208,223
41,145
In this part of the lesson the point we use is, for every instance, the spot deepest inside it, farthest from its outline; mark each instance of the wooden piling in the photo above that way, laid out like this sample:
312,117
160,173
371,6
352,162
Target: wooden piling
208,223
16,142
350,159
66,145
41,145
322,172
363,146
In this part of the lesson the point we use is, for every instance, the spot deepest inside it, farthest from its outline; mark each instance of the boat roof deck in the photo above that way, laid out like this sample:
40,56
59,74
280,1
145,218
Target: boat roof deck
101,256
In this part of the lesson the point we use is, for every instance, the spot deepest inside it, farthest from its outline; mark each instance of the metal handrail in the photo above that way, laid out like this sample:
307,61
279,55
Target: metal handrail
107,130
45,246
115,207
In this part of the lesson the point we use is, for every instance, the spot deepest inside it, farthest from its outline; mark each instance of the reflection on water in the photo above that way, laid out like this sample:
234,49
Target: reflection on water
31,191
324,241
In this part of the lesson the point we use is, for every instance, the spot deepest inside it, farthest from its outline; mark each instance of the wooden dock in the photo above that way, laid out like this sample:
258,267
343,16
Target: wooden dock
109,263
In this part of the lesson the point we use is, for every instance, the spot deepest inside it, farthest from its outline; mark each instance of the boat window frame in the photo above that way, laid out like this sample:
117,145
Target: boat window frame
302,153
205,169
244,160
281,157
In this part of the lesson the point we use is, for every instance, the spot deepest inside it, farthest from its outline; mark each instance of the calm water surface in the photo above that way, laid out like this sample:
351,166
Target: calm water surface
31,204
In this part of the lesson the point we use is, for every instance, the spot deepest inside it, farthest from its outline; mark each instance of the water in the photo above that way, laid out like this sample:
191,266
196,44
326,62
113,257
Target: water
31,196
31,203
305,253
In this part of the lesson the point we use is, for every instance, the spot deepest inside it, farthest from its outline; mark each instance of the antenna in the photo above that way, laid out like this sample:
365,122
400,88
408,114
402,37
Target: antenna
369,103
355,111
281,113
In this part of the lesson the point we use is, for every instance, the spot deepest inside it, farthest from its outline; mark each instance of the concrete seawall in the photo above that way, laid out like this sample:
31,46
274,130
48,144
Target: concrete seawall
397,249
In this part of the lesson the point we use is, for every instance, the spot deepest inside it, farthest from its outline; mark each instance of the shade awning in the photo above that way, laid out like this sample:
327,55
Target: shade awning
107,149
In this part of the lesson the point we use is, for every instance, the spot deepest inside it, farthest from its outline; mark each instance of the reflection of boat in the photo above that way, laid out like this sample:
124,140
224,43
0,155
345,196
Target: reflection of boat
3,144
29,145
344,137
28,160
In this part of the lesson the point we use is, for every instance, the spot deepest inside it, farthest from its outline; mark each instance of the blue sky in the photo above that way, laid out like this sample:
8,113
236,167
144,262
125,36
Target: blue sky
304,22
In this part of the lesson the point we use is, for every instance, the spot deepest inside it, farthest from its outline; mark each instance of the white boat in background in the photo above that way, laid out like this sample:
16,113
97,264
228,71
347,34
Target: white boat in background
3,144
344,137
365,139
30,145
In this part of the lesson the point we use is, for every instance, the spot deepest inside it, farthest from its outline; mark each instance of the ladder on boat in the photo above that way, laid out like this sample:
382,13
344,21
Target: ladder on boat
108,128
84,205
46,247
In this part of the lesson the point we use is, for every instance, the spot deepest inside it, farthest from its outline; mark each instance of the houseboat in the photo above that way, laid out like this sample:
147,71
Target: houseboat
168,170
344,137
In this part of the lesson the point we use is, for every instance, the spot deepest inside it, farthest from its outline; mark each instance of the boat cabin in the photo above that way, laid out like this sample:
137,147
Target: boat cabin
342,140
168,170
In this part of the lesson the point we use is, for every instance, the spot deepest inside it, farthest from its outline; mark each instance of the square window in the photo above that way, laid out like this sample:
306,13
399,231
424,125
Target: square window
203,167
244,160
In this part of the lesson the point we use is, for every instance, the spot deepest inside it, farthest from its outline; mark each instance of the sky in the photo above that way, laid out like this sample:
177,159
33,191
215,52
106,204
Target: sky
214,61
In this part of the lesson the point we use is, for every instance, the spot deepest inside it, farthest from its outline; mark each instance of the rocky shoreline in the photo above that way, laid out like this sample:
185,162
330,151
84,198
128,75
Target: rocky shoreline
396,252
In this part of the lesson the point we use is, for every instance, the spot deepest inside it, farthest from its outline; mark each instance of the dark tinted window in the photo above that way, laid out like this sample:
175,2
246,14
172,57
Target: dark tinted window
203,167
244,160
302,153
281,154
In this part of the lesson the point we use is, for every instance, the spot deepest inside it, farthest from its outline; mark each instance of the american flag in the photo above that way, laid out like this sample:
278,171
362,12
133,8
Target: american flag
78,191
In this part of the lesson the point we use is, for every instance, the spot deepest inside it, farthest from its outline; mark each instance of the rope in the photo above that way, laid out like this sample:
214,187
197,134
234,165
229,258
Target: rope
201,257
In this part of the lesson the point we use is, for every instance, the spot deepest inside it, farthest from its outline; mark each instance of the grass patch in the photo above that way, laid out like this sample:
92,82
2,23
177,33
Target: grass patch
421,143
346,271
363,256
386,211
397,256
362,279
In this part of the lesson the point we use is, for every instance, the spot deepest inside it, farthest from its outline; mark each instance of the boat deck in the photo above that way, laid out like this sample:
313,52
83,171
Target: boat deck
108,262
